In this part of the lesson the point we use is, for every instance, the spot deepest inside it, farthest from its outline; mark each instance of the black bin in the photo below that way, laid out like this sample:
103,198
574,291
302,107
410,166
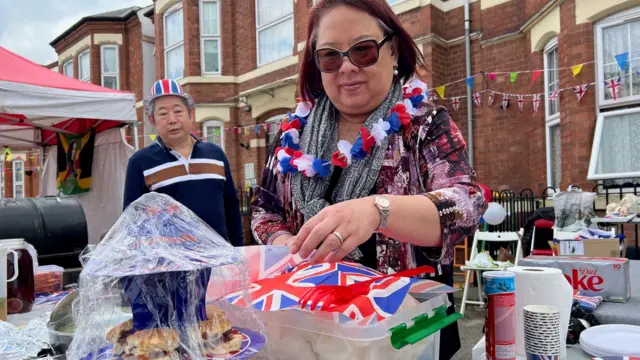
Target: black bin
55,226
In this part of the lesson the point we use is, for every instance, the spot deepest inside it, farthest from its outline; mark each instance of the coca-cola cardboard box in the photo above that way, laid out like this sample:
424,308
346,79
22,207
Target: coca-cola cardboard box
606,277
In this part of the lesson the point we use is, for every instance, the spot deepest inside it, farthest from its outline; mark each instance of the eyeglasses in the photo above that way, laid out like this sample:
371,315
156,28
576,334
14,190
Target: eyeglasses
361,54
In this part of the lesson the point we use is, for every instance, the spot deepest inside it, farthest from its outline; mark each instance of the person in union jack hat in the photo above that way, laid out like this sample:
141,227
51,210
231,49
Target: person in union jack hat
193,172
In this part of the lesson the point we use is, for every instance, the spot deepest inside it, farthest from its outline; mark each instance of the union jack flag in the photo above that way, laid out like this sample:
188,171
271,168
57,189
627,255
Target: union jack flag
613,85
536,102
456,103
505,101
492,97
580,91
384,298
554,95
521,102
588,303
477,99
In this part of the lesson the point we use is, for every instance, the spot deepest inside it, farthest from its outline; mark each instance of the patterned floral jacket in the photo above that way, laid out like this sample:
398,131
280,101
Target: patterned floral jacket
428,157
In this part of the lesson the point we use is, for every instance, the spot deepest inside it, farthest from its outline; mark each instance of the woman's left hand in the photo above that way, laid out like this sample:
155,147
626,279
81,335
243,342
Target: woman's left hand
353,220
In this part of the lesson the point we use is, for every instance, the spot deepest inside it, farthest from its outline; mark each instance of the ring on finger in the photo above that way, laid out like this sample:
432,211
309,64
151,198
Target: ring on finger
339,236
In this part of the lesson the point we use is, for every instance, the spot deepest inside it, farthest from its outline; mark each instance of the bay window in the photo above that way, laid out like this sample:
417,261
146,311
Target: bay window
274,20
67,68
84,66
174,43
615,152
109,66
18,179
213,131
210,36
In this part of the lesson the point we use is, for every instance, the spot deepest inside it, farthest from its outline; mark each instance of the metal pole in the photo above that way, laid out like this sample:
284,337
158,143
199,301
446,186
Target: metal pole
135,136
467,48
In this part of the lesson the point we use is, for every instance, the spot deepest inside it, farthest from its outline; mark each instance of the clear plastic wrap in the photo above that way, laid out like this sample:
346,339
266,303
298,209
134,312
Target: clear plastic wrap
156,263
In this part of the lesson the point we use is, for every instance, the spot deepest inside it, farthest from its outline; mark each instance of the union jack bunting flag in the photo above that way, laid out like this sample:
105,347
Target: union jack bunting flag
505,101
477,99
580,91
614,85
385,296
492,98
554,95
520,102
588,303
536,102
456,103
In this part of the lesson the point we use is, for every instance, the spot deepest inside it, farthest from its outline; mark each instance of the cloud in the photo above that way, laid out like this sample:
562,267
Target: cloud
28,26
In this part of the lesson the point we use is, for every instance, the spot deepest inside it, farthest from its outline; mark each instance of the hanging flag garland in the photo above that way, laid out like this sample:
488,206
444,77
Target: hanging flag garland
536,102
455,102
6,153
520,102
614,86
291,159
505,101
477,99
580,91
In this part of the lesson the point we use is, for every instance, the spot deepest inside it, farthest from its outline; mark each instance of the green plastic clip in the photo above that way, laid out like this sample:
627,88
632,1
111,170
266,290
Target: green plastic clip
423,326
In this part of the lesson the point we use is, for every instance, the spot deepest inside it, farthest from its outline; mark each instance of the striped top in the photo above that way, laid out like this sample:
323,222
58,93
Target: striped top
203,183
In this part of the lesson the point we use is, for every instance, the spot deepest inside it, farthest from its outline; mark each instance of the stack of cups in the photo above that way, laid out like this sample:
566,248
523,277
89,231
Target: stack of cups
542,332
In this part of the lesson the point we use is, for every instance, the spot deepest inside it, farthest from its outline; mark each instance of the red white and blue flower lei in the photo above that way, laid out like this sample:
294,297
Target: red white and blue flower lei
291,159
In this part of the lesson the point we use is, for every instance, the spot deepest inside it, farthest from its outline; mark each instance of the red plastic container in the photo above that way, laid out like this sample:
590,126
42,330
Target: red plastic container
21,292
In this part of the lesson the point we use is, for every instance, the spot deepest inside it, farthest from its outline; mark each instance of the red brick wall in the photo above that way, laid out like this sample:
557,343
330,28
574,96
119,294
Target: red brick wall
30,173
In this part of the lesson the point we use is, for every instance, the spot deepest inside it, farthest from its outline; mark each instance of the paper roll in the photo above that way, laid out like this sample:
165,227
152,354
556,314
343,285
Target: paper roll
542,286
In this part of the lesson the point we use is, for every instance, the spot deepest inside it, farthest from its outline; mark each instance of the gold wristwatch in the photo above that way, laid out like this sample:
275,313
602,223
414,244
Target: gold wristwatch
384,207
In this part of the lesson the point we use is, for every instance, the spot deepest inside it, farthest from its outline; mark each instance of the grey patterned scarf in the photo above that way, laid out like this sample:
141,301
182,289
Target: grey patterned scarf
319,139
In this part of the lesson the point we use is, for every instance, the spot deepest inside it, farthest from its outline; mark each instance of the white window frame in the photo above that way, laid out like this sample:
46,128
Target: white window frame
550,120
218,123
110,74
15,182
64,66
272,120
166,14
80,77
204,37
617,19
269,25
595,148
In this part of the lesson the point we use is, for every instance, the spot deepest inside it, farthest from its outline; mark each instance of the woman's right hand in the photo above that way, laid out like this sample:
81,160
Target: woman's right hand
283,240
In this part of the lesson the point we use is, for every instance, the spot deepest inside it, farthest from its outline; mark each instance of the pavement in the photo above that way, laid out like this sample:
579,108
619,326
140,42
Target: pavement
470,326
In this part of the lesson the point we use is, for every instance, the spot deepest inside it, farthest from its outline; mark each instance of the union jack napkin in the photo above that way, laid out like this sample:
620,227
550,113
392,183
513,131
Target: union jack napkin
588,303
385,297
616,358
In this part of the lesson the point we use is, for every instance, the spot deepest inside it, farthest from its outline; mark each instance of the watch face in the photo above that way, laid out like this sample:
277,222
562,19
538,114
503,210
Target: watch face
383,202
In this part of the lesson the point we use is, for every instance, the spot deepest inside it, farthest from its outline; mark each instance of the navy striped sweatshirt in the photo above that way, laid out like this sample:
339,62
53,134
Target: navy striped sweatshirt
203,183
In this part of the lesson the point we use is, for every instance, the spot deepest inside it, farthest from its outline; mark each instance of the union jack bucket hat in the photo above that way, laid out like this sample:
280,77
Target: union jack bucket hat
166,87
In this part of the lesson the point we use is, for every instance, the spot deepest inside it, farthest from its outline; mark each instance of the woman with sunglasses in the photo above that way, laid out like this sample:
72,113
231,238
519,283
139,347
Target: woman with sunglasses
367,170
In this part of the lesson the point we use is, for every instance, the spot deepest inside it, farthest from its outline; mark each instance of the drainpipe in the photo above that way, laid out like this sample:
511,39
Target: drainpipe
135,136
467,48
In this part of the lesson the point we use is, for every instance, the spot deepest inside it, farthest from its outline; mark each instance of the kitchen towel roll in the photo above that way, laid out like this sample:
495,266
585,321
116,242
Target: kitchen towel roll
542,286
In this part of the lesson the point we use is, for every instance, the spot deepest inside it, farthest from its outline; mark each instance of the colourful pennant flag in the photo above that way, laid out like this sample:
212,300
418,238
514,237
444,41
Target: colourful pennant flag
614,86
492,76
580,91
492,97
247,131
433,97
505,101
471,80
536,75
456,103
623,60
440,90
576,69
520,102
6,153
477,99
257,129
536,102
152,137
512,76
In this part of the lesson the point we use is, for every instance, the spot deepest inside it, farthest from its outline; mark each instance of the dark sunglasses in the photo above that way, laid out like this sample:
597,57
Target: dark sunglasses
361,54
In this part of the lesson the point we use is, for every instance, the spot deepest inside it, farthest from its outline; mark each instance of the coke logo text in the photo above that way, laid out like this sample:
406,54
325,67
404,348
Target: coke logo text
585,279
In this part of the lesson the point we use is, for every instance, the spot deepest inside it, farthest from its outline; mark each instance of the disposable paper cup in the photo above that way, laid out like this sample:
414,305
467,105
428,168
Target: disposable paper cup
541,332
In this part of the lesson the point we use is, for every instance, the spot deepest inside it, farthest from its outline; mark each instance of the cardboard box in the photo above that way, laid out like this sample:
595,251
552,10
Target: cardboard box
609,248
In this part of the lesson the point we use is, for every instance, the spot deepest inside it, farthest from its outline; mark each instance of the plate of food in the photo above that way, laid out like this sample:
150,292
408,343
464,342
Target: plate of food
220,339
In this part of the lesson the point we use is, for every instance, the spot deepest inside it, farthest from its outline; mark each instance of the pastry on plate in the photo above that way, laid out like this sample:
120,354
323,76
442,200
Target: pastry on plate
118,336
219,336
152,344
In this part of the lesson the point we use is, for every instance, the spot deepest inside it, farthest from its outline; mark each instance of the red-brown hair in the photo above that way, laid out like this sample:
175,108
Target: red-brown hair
409,56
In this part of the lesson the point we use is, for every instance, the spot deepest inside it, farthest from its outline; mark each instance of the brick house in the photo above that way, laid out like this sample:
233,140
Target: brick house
113,49
19,177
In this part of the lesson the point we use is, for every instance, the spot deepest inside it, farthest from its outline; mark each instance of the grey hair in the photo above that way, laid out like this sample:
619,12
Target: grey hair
151,107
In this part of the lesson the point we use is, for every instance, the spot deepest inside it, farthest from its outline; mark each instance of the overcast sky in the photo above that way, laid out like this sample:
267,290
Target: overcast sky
28,26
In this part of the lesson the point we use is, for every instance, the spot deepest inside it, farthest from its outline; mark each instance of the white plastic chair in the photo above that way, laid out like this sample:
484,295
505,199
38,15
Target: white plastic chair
489,237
